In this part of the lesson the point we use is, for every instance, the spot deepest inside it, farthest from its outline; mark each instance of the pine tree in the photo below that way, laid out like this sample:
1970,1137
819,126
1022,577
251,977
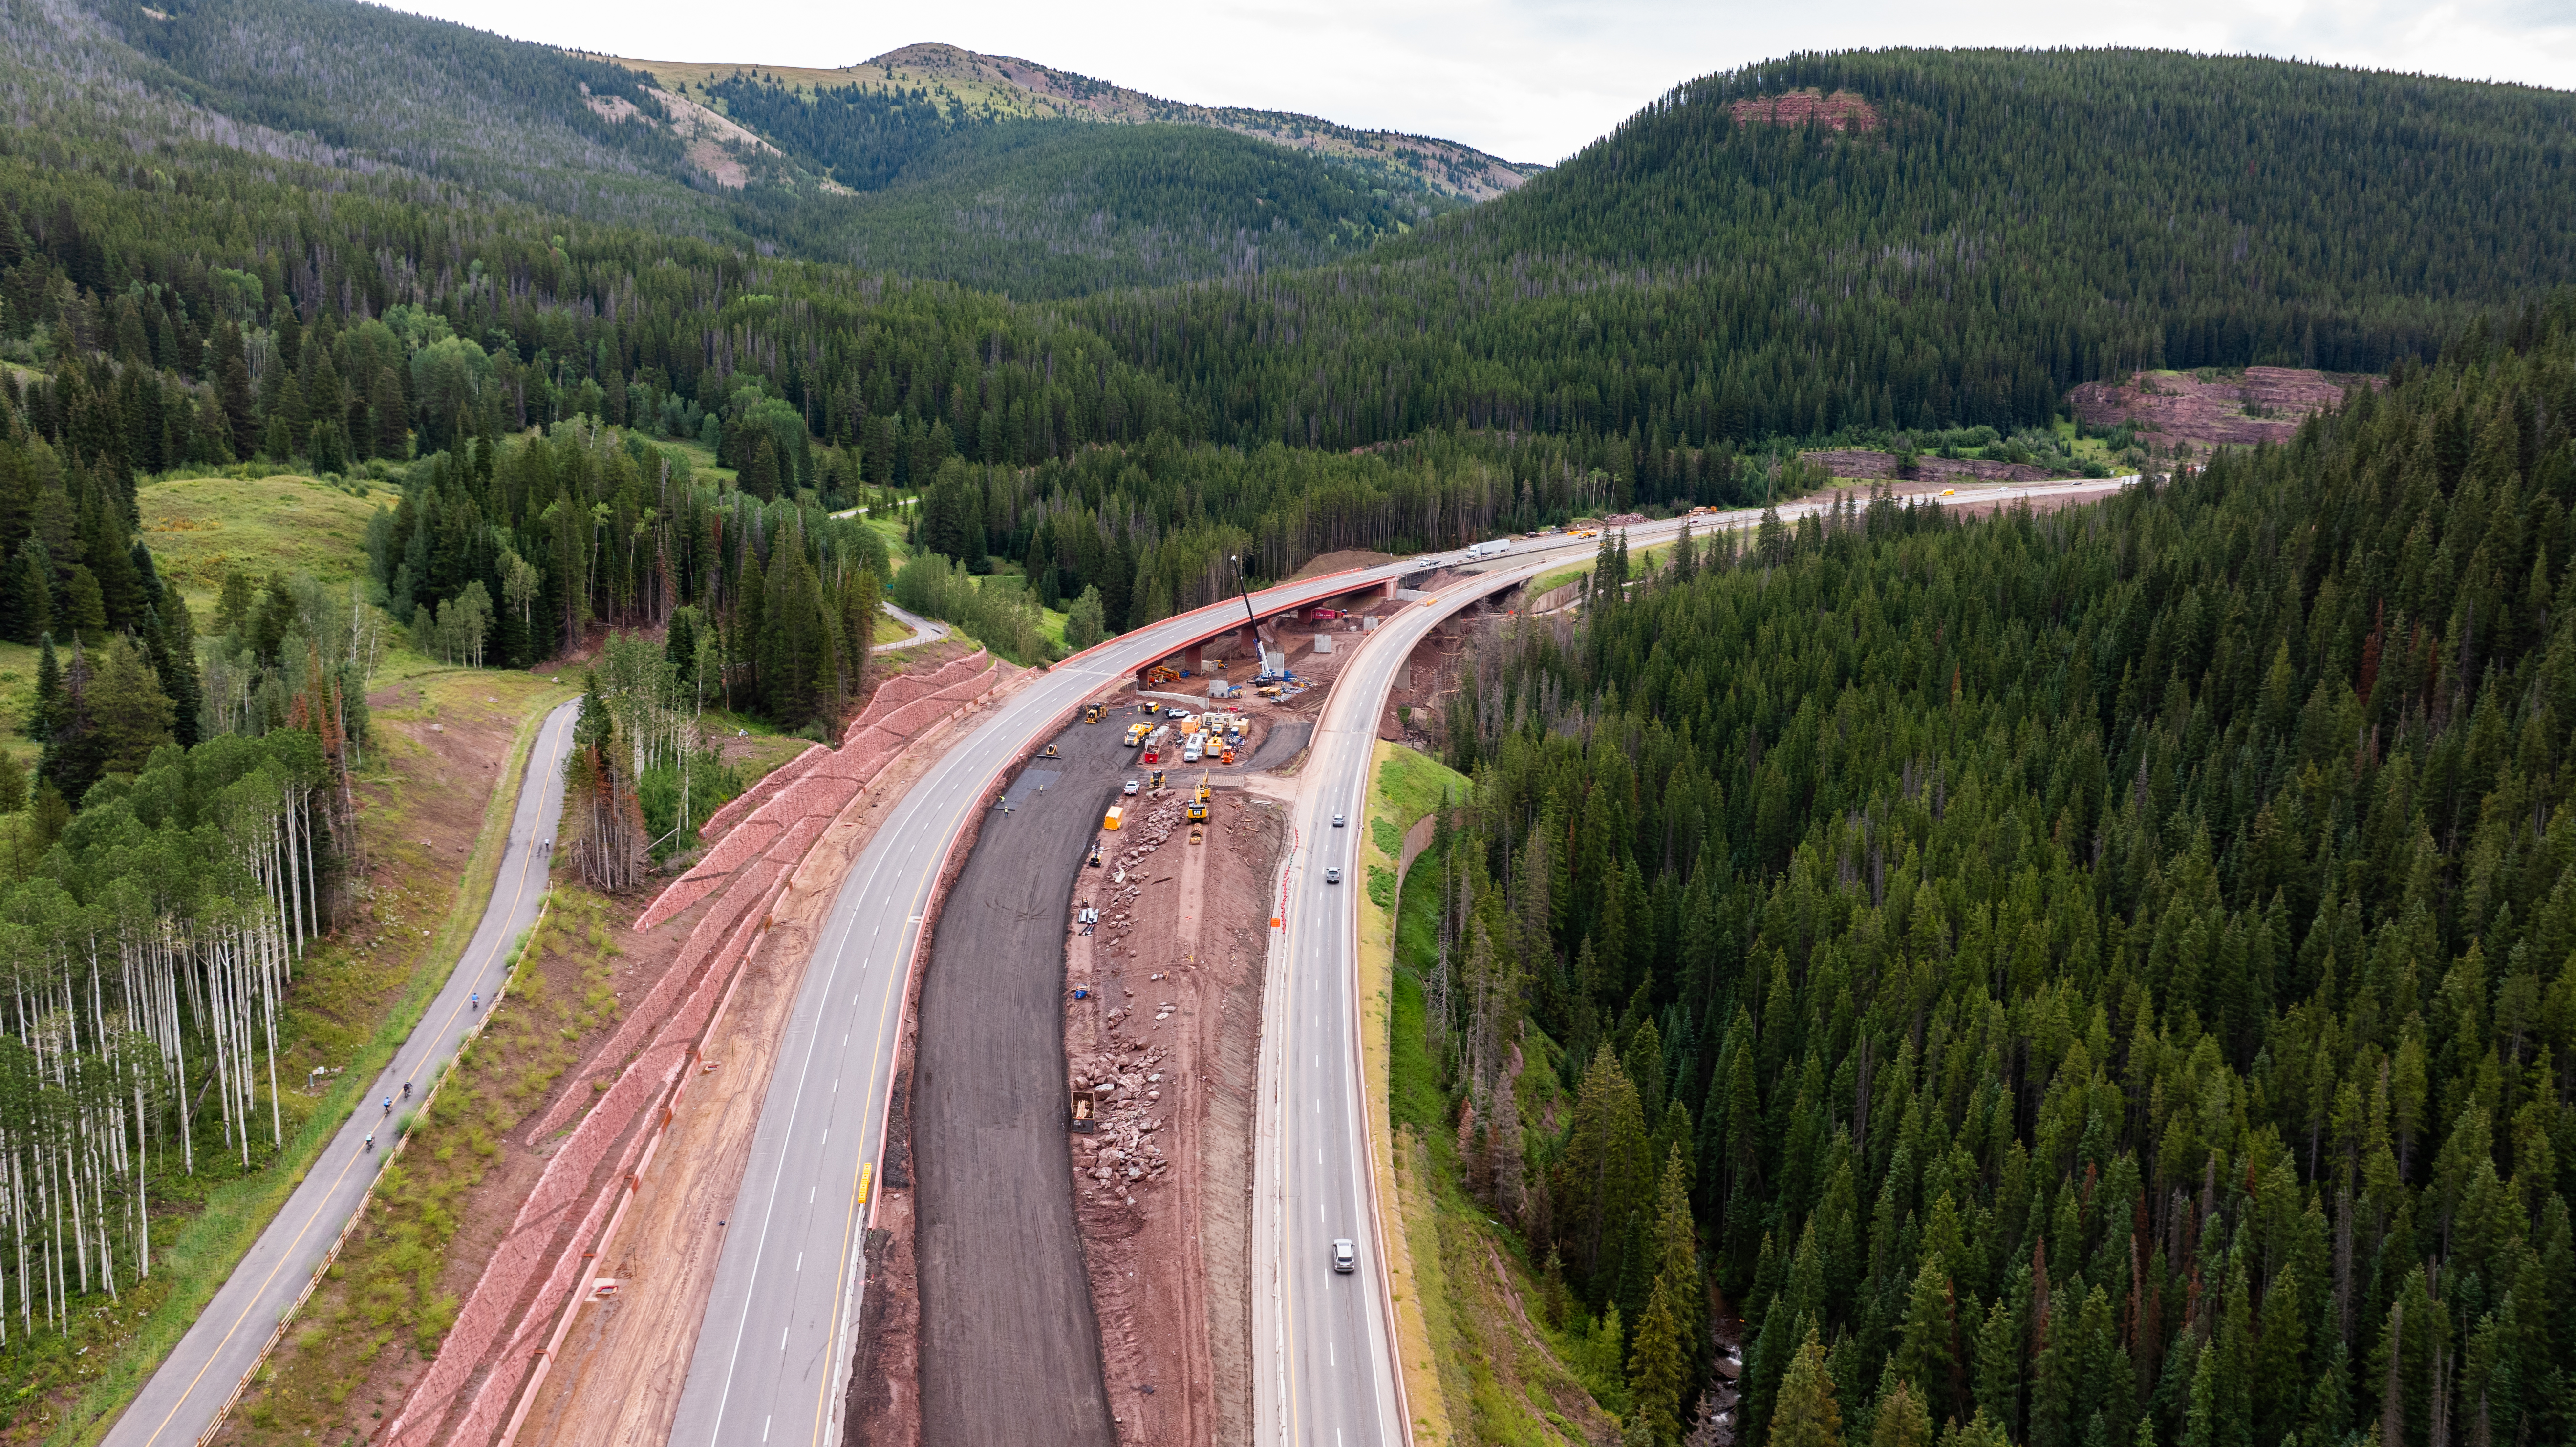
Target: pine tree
1899,1420
1925,1345
1602,1180
129,714
1656,1368
1806,1415
49,691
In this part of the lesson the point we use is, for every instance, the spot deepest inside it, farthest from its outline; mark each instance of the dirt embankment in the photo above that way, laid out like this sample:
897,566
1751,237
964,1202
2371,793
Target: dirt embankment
1931,471
1168,1038
2184,411
1348,558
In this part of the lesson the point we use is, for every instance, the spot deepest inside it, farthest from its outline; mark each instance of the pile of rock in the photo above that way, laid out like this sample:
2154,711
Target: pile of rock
1127,1086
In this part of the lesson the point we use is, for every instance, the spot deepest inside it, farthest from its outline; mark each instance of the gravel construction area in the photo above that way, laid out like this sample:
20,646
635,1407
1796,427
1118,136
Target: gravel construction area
1009,1352
1167,1036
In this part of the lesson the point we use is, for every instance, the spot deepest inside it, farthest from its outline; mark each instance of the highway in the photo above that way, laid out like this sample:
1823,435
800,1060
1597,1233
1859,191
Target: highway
196,1382
774,1348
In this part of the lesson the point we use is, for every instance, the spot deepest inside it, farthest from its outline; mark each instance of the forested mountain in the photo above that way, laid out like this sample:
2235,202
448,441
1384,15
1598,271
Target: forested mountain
1934,237
1032,208
382,88
2092,978
1042,208
1008,88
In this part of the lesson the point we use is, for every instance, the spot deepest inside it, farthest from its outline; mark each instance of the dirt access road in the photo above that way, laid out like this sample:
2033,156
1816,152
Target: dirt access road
1010,1353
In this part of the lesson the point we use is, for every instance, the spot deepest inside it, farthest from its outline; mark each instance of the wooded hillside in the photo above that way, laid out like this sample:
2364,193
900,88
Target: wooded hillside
2098,977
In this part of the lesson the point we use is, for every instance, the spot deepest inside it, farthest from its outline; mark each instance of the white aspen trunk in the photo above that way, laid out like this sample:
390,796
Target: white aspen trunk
106,1249
142,1212
71,1185
268,1003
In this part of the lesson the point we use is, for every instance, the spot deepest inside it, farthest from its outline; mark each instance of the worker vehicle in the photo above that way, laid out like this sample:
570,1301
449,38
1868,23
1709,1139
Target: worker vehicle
1154,744
1227,755
1091,713
1157,781
1346,1257
1191,753
1198,810
1136,734
1051,753
1131,788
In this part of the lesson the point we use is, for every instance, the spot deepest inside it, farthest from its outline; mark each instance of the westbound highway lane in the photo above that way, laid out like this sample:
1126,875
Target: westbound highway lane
181,1400
774,1349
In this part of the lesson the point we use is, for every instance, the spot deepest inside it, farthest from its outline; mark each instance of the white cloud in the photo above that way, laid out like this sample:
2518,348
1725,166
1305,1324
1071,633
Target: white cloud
1527,79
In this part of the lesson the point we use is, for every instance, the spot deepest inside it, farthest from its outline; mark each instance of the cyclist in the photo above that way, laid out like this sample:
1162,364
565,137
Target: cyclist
371,1141
476,996
389,1105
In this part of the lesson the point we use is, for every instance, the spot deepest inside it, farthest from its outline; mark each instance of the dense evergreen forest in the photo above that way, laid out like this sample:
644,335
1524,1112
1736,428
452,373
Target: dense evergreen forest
1037,208
2090,978
2006,225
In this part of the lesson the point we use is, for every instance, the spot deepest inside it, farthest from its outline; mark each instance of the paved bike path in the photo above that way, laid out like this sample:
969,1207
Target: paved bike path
181,1400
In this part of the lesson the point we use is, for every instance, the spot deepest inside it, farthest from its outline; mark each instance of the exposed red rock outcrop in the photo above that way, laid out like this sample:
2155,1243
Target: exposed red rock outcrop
2174,409
1841,111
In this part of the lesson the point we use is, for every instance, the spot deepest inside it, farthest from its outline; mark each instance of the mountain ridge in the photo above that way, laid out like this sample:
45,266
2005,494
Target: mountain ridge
1012,87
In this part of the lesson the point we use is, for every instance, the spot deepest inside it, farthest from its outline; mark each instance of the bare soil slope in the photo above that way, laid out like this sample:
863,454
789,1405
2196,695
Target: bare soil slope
2214,409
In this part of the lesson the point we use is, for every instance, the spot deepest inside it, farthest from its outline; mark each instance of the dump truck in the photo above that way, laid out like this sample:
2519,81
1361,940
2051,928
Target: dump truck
1136,734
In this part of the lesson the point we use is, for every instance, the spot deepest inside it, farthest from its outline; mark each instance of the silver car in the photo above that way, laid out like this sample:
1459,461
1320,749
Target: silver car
1346,1257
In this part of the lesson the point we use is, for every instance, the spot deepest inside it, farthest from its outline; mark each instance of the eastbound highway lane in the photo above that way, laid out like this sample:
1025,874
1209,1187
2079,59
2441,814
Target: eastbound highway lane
182,1398
774,1349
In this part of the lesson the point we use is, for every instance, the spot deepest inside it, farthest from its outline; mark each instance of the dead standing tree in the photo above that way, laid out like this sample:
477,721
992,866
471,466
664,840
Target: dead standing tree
609,843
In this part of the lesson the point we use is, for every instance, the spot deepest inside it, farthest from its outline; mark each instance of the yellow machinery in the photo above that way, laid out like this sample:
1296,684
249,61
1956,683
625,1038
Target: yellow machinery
1159,675
1198,811
1136,734
1091,713
1117,813
1051,753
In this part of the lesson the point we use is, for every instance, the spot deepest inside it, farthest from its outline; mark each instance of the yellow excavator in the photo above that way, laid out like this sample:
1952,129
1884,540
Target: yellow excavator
1199,801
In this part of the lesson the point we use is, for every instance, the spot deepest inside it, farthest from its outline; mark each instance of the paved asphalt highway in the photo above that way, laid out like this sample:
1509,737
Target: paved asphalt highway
774,1348
181,1400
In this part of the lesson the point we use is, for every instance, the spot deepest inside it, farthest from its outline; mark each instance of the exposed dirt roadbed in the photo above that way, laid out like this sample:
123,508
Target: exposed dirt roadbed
1167,1036
1008,1350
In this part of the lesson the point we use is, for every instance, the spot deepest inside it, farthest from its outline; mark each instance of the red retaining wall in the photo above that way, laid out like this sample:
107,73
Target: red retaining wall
762,846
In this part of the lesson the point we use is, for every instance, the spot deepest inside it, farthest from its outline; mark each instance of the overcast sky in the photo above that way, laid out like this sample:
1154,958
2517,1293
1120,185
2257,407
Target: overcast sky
1530,80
